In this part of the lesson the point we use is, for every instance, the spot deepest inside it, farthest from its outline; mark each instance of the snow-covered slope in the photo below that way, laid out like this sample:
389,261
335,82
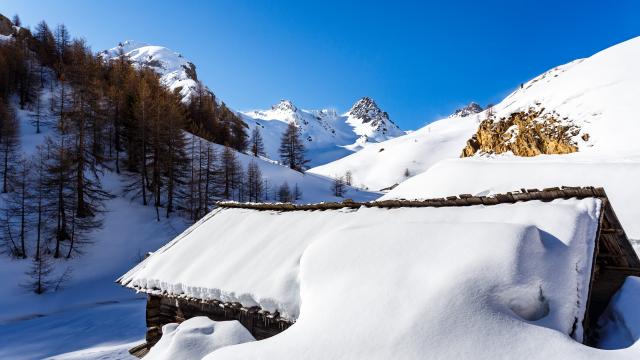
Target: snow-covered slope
35,326
596,97
328,135
175,71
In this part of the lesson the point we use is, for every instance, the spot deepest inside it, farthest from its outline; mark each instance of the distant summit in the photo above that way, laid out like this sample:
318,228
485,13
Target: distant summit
176,72
284,105
472,108
371,123
328,134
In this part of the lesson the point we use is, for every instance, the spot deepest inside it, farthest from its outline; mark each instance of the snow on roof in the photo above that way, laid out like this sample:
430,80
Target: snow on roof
496,282
486,176
535,257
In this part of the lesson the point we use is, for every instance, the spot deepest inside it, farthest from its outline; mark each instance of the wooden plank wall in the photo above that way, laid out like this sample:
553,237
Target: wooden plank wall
162,310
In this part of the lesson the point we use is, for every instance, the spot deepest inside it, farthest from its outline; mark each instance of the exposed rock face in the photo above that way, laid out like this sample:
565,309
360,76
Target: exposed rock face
523,133
368,111
472,108
371,122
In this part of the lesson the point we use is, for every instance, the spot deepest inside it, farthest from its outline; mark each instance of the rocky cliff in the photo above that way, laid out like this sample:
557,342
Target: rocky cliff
525,133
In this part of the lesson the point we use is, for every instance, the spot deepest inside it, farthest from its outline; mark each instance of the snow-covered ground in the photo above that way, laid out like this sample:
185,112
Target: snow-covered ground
481,283
598,95
91,314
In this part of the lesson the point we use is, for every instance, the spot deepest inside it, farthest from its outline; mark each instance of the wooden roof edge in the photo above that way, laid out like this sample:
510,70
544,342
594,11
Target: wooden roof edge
547,194
227,305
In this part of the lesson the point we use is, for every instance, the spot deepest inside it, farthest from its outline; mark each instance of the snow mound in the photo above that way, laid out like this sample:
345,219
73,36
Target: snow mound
197,337
496,282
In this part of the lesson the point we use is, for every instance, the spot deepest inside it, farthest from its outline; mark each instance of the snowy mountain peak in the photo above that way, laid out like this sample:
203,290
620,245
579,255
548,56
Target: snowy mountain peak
370,122
176,72
285,106
329,135
472,108
367,110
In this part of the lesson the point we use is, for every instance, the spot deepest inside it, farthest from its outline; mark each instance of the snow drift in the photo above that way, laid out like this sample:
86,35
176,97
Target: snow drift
197,337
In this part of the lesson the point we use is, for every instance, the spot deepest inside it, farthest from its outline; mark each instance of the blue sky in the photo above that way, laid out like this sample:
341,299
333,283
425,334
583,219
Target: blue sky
418,59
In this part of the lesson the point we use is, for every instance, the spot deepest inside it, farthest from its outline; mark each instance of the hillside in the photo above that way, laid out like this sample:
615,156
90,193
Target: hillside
78,292
587,106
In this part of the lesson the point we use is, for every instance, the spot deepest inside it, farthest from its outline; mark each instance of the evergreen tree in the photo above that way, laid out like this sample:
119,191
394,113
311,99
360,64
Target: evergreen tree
292,150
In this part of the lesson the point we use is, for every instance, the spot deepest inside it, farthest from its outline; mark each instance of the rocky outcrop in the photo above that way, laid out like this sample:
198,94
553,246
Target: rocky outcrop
524,133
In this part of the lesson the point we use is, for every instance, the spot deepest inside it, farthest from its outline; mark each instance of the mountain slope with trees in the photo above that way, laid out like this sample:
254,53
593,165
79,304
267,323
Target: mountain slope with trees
101,163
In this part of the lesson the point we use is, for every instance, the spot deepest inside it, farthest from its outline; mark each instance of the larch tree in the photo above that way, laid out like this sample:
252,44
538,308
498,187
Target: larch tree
292,150
229,173
8,143
254,182
338,186
284,193
256,144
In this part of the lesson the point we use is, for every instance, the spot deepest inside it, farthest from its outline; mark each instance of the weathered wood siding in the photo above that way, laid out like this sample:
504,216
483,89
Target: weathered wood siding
162,310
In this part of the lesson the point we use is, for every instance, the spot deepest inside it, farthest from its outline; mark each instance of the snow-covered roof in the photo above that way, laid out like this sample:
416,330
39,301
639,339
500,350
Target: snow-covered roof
536,249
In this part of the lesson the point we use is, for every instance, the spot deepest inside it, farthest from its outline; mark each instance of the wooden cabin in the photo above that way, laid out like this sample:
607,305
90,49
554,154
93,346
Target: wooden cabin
613,260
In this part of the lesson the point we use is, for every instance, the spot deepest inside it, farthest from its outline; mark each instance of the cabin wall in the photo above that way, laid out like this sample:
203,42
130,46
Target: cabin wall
614,261
163,310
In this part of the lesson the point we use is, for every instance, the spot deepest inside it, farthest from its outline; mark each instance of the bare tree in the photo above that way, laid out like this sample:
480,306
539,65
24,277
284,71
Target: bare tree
254,182
348,177
8,143
338,186
297,192
284,193
256,144
40,274
292,150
